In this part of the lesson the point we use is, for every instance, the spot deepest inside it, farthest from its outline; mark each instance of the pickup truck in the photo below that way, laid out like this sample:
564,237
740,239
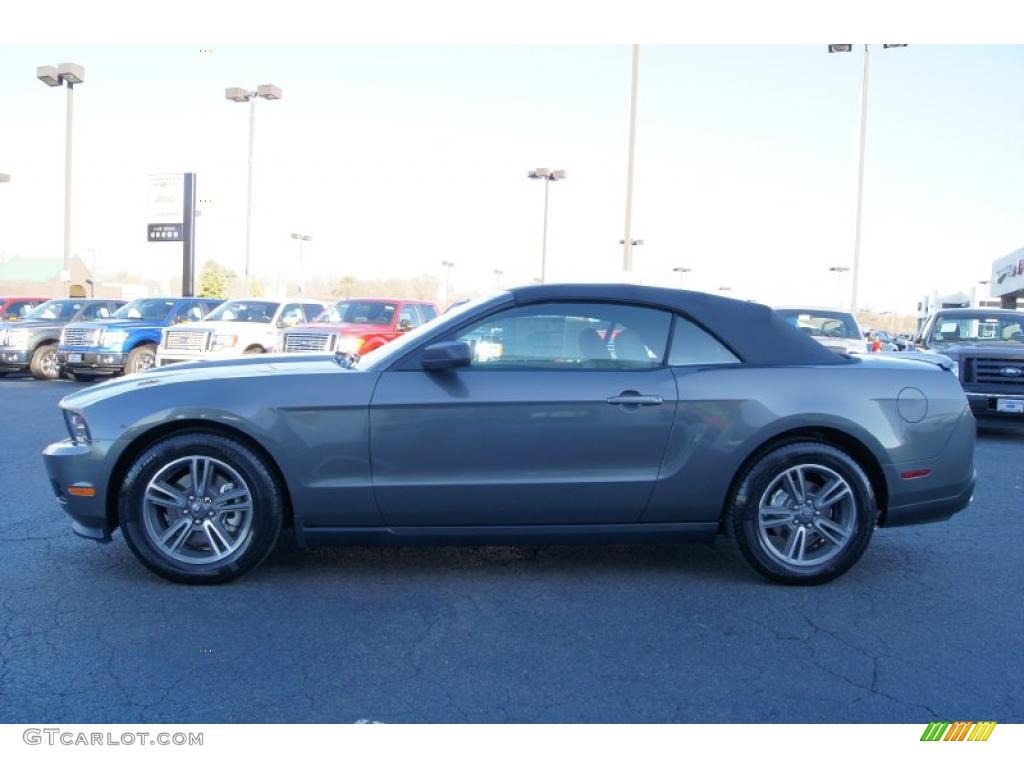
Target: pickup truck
358,326
236,327
987,348
14,308
31,344
126,342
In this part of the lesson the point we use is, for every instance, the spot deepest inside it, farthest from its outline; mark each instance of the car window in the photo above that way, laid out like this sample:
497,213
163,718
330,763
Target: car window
312,311
56,309
245,311
428,312
956,329
360,312
189,312
152,310
19,309
822,323
570,335
291,316
409,317
95,312
692,345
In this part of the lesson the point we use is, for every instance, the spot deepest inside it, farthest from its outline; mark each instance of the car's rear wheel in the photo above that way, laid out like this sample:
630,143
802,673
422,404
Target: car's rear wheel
200,508
803,513
255,349
141,359
44,363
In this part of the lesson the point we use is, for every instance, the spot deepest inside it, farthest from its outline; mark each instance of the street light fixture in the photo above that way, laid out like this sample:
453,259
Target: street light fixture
682,271
548,176
447,279
847,48
68,74
240,95
302,239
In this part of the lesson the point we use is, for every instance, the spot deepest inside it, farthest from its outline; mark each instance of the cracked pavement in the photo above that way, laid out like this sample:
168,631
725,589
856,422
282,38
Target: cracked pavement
928,626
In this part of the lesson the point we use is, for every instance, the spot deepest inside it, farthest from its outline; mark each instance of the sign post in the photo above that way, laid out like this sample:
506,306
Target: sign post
172,218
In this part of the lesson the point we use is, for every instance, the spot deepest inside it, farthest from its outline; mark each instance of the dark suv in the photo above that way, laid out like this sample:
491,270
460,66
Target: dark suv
988,347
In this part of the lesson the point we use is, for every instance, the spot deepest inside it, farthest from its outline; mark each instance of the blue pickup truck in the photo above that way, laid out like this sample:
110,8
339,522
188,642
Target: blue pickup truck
127,341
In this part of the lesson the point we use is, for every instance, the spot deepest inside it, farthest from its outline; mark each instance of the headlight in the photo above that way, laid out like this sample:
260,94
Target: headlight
77,428
17,339
114,338
350,344
223,341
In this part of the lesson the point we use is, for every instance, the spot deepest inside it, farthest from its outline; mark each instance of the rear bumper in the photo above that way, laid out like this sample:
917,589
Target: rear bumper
931,511
69,465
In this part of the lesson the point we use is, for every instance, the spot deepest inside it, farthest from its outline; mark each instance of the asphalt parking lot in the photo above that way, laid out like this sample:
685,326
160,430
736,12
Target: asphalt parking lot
928,626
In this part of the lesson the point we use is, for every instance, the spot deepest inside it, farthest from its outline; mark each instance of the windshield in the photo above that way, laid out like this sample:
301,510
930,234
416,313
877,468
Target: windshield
839,325
55,310
363,312
403,344
245,311
145,309
978,328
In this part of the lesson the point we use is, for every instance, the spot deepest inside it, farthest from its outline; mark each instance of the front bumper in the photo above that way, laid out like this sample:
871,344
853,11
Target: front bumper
14,359
91,361
984,406
69,465
169,358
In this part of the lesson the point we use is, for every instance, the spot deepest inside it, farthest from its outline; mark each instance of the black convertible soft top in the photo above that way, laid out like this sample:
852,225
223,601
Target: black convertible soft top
753,331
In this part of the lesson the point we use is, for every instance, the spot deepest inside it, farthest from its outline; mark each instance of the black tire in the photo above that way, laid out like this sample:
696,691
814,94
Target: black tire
44,363
82,377
267,513
255,349
858,508
142,358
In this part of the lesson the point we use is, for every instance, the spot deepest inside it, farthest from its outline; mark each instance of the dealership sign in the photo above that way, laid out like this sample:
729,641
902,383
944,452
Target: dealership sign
1008,274
165,207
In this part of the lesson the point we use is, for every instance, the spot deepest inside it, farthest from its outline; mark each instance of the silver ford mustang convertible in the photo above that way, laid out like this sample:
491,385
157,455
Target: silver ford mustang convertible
556,413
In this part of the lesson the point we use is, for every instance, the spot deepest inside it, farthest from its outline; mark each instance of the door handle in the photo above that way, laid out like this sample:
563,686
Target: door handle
635,398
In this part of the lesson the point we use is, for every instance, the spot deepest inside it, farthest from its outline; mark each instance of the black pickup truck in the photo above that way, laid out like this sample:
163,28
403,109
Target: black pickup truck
987,346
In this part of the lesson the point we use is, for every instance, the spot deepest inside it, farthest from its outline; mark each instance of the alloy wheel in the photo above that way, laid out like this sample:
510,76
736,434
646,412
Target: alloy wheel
807,515
197,510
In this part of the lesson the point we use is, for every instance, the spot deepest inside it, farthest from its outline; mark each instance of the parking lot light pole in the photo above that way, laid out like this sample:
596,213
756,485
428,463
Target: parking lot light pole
847,48
68,74
447,280
240,95
682,271
498,274
548,176
627,241
302,239
839,281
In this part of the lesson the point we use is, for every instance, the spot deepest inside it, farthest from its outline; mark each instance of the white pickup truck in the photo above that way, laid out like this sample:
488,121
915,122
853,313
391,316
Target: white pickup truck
236,327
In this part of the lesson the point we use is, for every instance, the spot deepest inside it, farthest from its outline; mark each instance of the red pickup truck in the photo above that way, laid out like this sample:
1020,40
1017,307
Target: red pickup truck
358,326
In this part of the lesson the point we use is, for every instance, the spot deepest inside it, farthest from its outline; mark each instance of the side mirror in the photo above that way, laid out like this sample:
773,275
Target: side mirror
405,324
446,355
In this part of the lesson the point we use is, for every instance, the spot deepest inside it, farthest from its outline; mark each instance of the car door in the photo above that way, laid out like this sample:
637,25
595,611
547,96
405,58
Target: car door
562,418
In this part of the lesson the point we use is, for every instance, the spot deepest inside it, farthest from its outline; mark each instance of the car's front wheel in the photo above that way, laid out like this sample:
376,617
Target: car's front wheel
44,363
141,359
200,508
803,514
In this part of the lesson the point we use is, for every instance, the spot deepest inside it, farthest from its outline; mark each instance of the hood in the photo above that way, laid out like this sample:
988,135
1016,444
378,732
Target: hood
353,329
23,324
999,349
120,323
243,366
223,326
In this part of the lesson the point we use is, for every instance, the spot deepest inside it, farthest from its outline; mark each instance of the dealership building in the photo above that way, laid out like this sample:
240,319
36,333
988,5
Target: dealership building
1007,283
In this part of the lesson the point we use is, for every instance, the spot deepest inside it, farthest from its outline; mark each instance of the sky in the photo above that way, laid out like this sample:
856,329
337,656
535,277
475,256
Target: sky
395,158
